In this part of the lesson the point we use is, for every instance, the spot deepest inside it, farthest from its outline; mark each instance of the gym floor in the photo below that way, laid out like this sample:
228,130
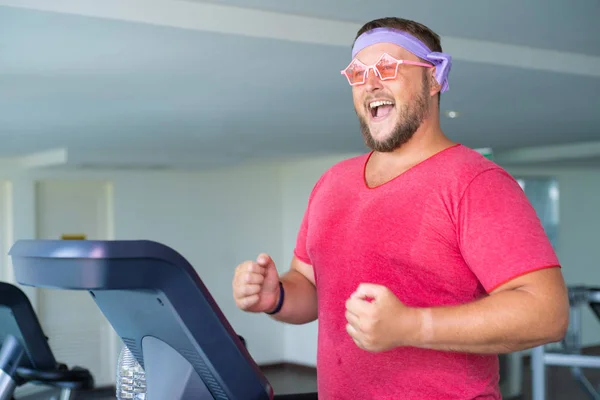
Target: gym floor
287,380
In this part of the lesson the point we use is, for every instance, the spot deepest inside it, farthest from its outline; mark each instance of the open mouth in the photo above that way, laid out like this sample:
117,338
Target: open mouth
380,109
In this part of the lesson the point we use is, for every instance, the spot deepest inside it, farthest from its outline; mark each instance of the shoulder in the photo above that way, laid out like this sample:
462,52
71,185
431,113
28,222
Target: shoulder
484,188
467,162
466,167
342,170
349,164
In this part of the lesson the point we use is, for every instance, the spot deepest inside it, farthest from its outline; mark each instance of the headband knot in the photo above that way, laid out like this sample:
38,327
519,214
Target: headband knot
442,61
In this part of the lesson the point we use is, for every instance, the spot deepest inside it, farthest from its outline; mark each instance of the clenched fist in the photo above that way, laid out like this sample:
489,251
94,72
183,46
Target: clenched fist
256,285
378,321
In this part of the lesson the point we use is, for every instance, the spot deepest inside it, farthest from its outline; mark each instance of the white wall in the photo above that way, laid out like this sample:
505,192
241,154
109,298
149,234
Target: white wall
218,219
5,227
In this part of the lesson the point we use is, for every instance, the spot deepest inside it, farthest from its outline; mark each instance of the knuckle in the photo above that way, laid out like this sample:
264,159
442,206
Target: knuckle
240,270
248,302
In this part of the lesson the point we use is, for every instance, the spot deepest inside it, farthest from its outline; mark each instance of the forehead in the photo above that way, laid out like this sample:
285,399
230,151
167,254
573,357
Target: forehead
371,54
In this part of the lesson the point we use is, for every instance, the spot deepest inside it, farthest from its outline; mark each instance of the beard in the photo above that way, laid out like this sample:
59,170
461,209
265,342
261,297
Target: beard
411,117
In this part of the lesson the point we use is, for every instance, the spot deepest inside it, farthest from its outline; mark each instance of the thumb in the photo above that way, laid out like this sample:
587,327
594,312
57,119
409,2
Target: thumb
368,291
271,282
265,260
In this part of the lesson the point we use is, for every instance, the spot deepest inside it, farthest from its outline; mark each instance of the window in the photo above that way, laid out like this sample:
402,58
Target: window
544,194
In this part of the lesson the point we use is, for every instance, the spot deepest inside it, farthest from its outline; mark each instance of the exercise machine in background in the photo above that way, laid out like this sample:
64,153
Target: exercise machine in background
25,356
570,355
161,309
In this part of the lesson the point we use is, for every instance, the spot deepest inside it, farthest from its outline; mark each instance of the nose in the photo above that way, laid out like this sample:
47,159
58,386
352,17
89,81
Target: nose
372,81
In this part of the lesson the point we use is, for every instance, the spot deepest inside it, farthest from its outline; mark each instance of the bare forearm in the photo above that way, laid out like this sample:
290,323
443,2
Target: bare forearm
506,322
300,299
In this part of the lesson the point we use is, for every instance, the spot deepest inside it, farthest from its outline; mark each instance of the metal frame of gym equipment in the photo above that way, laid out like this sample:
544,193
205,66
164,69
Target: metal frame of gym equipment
25,354
570,356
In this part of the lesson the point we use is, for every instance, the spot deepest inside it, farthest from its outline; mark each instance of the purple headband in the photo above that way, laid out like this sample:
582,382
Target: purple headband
442,61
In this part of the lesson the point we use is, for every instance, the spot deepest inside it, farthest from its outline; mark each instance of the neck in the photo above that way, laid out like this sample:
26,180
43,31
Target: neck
427,140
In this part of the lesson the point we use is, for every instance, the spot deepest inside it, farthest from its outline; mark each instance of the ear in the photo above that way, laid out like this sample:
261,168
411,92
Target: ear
434,85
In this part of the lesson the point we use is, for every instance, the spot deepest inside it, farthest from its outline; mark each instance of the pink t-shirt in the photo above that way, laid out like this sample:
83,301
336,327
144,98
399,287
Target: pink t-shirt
446,232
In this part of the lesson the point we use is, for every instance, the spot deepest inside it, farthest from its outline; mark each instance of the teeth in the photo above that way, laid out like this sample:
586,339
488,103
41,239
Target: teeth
380,103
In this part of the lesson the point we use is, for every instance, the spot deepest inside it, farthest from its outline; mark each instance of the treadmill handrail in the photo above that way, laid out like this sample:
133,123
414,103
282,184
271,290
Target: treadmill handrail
38,352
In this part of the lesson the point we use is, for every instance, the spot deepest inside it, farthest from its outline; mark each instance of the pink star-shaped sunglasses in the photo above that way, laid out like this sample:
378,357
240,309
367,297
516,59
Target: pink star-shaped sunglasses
385,68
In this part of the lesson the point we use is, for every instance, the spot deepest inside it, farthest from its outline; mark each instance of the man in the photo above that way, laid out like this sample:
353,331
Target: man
426,258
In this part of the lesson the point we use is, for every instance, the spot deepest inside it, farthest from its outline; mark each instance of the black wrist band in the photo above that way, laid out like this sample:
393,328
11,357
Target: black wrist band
280,303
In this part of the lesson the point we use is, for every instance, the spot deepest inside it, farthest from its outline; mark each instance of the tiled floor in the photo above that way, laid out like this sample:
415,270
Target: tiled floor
286,380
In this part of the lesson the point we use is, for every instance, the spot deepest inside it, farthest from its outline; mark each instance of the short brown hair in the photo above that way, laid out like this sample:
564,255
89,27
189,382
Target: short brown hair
420,31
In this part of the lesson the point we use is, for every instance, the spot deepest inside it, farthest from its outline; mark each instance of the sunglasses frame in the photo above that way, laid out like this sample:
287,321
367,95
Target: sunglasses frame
376,72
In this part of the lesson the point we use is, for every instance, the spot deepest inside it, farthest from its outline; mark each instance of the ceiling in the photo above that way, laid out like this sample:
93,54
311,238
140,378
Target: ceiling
167,83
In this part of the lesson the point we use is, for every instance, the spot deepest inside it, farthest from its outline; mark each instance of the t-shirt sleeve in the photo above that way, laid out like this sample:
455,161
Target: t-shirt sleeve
300,250
499,232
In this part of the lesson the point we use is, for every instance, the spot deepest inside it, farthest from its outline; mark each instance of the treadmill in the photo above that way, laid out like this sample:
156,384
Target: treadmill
161,309
25,354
